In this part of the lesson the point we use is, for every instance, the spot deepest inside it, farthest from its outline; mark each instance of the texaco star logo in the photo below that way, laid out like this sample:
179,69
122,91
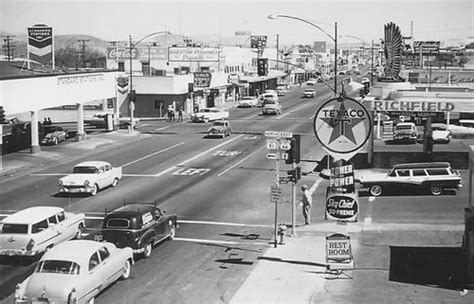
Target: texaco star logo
342,125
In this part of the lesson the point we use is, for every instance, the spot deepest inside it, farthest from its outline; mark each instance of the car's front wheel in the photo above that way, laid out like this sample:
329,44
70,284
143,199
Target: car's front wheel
172,232
115,182
55,141
376,190
94,190
126,270
436,190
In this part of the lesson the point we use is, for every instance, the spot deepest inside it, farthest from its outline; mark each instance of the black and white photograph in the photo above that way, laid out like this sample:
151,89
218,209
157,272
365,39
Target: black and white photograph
236,151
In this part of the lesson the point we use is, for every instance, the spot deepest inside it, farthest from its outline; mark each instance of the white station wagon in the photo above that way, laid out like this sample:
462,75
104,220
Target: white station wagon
34,230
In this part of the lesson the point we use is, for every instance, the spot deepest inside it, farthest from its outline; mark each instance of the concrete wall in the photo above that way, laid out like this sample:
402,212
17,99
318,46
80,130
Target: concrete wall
36,93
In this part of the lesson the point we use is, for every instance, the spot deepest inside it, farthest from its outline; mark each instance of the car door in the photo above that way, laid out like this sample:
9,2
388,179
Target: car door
109,267
95,275
43,235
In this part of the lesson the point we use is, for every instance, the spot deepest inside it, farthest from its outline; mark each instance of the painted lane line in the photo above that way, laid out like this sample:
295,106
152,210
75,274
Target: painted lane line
221,223
204,241
162,128
153,154
239,162
198,155
48,174
370,207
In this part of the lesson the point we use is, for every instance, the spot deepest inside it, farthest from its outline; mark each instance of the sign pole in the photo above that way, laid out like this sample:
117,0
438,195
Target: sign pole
293,203
277,180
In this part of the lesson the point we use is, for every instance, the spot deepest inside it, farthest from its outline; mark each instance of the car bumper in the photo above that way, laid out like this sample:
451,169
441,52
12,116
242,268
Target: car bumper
269,111
75,189
17,253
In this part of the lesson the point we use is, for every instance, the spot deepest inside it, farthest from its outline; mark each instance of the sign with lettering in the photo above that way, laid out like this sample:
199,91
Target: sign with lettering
40,44
342,178
342,126
258,41
427,47
341,207
140,53
202,54
338,248
202,79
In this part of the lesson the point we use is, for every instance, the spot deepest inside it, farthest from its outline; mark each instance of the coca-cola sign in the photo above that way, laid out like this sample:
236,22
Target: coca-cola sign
121,53
342,207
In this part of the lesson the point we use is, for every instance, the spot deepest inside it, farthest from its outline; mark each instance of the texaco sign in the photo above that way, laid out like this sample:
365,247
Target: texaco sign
342,126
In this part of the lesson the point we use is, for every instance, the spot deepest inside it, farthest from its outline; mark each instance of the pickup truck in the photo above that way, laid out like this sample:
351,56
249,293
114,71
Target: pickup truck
90,177
98,121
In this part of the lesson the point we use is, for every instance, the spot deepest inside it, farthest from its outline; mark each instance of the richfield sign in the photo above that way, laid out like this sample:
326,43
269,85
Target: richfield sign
414,106
342,126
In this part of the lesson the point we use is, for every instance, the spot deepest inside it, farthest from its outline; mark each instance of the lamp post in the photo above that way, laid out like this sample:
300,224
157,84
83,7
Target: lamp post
131,94
334,39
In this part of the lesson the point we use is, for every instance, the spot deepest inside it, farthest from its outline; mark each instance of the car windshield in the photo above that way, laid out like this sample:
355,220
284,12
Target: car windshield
247,98
270,102
86,170
118,223
14,228
58,266
219,123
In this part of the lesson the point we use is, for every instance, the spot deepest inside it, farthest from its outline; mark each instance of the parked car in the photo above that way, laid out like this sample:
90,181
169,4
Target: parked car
469,123
75,272
247,102
271,107
405,131
34,230
219,128
209,114
309,93
441,134
53,135
98,120
90,177
138,226
432,177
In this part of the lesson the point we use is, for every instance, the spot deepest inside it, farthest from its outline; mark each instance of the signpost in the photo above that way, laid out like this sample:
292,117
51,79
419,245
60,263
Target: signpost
339,252
277,142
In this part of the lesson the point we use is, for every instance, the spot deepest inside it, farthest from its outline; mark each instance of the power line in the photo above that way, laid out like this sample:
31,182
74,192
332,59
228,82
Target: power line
83,51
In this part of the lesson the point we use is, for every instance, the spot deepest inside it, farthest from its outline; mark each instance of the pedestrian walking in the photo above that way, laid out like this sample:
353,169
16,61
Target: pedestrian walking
307,202
180,114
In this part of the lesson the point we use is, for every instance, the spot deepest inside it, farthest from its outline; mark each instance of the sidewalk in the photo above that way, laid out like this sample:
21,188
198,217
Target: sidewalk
296,271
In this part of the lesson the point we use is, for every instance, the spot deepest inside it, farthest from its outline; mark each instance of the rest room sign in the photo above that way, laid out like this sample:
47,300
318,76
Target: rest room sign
339,251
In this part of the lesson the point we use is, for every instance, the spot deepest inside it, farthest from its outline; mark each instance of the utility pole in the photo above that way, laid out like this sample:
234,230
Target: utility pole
8,47
277,51
83,51
372,65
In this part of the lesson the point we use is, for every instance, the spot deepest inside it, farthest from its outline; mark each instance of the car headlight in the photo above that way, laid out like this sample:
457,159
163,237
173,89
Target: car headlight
86,183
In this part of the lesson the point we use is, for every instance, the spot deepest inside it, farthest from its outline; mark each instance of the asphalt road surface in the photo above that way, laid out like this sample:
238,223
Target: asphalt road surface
220,190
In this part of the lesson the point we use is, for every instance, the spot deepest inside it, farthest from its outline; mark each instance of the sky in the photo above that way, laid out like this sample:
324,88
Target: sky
357,20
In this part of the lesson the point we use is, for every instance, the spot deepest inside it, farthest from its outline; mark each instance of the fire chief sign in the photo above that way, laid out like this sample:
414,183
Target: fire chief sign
342,126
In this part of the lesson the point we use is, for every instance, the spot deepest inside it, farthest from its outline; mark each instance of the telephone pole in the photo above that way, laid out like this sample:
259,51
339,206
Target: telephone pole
8,47
83,51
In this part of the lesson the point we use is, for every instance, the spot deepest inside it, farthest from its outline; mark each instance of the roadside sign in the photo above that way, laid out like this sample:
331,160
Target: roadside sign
339,252
285,145
272,144
278,134
285,180
271,155
275,194
284,156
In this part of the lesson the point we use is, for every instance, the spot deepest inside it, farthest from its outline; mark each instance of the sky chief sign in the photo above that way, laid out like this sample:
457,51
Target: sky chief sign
342,126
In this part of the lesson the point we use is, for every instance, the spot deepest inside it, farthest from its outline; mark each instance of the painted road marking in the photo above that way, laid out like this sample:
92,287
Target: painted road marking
191,171
226,153
205,241
368,218
153,154
239,162
197,156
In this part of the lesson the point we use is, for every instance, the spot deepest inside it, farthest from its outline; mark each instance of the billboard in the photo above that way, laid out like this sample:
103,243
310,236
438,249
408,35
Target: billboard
140,53
40,44
427,47
203,54
258,41
319,46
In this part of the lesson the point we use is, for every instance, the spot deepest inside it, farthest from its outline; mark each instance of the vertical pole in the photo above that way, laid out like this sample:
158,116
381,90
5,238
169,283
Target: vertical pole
277,181
293,203
372,65
35,148
277,65
335,58
1,147
52,50
131,103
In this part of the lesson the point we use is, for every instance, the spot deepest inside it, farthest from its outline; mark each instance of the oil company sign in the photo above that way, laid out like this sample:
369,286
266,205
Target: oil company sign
342,126
338,248
342,207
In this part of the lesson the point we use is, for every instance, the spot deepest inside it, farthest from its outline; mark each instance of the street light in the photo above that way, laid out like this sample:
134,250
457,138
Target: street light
131,95
334,39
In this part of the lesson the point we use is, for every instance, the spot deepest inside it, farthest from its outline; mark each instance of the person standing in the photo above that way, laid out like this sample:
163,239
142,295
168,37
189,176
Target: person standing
180,114
307,202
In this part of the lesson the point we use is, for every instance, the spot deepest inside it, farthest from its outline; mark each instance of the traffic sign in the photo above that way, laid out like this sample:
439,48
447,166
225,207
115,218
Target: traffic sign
272,144
284,155
285,145
285,179
275,194
272,156
278,134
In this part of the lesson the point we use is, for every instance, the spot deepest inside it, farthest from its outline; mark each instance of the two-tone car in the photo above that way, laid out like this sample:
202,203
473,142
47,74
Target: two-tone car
32,231
209,114
441,133
53,135
138,226
431,177
271,106
219,128
309,93
248,102
75,272
405,131
89,177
